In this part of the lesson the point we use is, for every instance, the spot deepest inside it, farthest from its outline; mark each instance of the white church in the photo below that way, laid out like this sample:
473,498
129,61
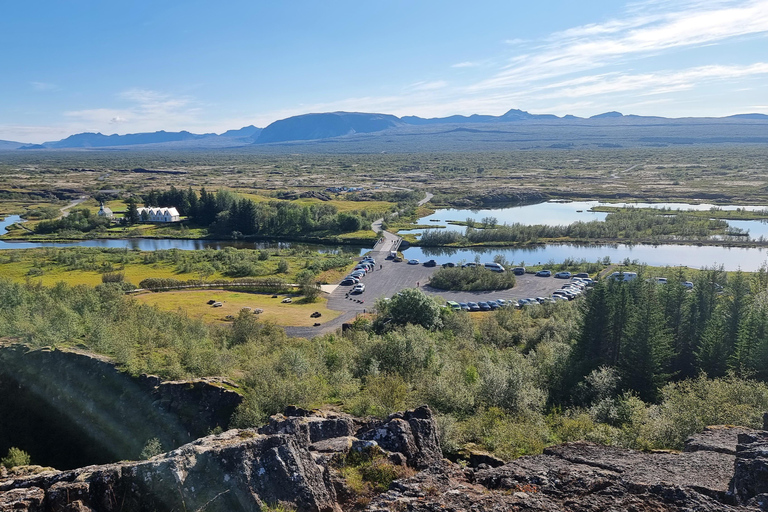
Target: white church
157,214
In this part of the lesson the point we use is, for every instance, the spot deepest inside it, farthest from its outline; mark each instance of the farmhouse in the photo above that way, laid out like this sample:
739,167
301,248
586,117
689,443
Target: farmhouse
157,214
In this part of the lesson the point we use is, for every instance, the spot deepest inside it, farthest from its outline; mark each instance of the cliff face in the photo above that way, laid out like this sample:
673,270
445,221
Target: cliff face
69,409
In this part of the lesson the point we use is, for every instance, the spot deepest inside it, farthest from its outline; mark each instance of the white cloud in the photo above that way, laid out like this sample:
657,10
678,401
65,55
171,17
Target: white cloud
43,86
595,45
147,110
427,86
466,64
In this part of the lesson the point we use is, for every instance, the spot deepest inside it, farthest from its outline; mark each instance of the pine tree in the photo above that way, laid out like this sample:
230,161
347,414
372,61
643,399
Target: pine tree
646,350
131,213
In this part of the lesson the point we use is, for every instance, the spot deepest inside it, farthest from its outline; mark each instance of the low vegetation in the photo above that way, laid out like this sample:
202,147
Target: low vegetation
475,278
92,265
15,457
634,364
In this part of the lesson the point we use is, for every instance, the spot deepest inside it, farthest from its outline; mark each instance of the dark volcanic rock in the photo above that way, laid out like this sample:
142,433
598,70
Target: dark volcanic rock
288,462
69,408
412,433
581,477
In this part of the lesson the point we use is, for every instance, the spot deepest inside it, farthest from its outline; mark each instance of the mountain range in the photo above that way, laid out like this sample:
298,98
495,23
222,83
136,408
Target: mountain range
516,129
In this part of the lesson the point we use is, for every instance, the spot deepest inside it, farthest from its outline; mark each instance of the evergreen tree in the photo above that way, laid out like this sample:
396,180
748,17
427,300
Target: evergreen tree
131,213
646,350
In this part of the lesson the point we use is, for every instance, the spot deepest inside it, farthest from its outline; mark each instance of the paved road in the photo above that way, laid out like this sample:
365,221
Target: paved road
389,240
65,210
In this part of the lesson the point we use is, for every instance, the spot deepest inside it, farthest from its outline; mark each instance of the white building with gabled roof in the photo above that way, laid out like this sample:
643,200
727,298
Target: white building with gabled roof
157,214
105,212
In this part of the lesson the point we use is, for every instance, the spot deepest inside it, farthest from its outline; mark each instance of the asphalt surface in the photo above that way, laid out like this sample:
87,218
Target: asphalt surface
389,277
393,277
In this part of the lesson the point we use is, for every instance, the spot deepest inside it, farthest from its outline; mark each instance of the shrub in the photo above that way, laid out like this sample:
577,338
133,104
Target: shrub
471,279
113,277
151,448
15,457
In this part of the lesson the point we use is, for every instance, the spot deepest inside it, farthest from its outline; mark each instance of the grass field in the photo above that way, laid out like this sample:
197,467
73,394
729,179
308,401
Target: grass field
193,303
86,265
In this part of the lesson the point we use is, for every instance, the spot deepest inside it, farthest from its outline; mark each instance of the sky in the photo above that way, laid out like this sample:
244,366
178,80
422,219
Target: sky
136,66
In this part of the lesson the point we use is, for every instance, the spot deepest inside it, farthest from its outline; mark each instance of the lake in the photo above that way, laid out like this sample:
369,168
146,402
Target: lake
557,213
748,259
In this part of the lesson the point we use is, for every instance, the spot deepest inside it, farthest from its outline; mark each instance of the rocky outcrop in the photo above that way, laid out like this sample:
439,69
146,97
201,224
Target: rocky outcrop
750,478
587,477
68,408
296,459
291,461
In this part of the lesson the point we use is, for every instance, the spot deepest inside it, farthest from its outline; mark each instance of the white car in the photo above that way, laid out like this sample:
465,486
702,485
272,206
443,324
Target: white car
413,262
358,288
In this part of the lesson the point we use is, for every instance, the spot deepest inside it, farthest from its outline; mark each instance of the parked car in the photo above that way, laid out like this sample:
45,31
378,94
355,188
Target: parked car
559,297
473,306
413,262
453,305
563,275
494,304
464,306
469,264
287,300
430,263
501,302
449,265
688,285
349,281
358,288
495,267
484,306
582,275
518,271
544,273
397,259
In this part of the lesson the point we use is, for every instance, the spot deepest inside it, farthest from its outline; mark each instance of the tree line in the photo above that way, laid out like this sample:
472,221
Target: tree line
653,334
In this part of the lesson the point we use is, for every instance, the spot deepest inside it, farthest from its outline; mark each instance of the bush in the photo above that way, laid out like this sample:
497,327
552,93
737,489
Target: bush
151,448
113,277
471,279
15,457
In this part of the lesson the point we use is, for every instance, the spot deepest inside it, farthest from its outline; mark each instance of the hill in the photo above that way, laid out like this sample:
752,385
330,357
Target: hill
324,126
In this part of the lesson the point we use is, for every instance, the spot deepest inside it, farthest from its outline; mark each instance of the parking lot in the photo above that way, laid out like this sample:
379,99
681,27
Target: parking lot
393,277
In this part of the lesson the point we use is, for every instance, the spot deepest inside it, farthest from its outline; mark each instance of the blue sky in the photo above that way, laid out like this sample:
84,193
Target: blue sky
132,66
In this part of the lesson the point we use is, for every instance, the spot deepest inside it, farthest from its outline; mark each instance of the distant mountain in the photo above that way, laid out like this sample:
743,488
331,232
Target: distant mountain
98,140
374,132
762,117
607,115
512,115
324,126
248,132
161,139
9,145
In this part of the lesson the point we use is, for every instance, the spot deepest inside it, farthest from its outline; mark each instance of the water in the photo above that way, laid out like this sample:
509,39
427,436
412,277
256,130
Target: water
157,244
732,258
748,259
565,213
